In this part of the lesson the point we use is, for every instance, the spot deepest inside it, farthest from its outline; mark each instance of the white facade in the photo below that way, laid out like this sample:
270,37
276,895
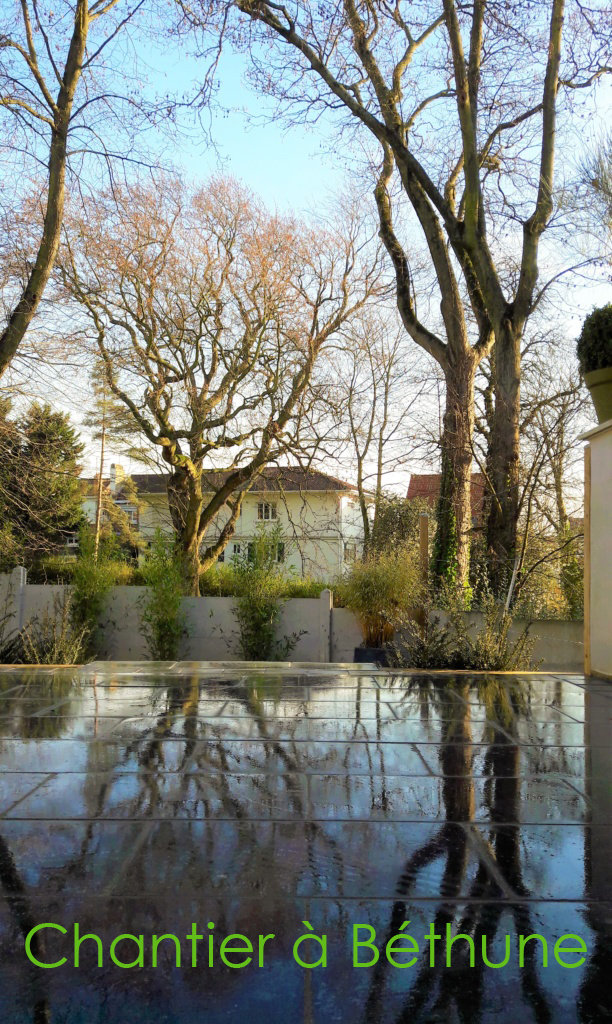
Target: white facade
322,529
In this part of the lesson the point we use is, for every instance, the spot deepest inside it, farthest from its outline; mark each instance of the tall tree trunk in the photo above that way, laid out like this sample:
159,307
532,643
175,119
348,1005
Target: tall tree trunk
504,459
29,300
191,549
185,503
451,555
363,507
195,513
458,359
455,757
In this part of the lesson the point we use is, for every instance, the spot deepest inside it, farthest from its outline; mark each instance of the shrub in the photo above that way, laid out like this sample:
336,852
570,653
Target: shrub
490,648
54,639
396,522
457,646
430,646
260,586
62,568
163,623
54,569
381,591
9,638
551,586
68,634
224,581
91,582
218,581
594,347
572,584
48,639
304,588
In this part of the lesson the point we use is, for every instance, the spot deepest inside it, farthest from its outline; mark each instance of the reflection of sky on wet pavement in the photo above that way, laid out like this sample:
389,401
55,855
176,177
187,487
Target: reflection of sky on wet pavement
139,799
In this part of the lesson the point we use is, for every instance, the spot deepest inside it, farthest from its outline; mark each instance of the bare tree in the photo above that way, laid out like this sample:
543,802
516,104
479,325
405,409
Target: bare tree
550,525
373,396
210,314
550,497
109,422
462,101
54,62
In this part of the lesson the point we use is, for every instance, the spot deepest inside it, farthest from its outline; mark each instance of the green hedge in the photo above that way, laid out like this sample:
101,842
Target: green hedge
217,582
61,568
220,582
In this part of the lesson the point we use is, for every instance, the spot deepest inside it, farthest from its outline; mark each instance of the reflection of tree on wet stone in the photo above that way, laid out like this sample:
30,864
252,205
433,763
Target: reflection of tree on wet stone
453,841
224,812
19,905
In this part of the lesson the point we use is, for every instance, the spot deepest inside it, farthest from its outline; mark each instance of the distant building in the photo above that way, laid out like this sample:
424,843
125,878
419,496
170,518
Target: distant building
318,513
427,486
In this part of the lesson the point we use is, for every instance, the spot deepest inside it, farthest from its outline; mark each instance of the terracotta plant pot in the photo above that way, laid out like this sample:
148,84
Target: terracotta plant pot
599,383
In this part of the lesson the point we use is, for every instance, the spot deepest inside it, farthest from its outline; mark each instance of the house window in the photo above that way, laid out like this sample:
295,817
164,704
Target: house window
237,549
72,540
221,557
279,555
350,551
266,510
130,511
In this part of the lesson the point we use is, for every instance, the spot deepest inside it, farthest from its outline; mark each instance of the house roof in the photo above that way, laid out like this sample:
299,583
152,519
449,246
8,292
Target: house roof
273,478
427,485
285,478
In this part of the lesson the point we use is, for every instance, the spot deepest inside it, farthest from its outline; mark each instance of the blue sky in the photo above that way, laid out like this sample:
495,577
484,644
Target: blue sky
296,168
288,169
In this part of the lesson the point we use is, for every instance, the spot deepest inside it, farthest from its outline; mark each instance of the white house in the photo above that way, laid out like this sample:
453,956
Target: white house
318,514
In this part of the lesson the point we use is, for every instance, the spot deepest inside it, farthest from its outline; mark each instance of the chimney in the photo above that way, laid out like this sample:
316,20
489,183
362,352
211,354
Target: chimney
117,476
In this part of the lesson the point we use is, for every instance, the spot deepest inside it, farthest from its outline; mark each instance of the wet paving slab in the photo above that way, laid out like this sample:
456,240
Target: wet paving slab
299,796
240,802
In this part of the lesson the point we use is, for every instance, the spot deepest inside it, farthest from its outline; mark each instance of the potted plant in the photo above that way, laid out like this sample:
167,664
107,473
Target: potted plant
382,591
594,350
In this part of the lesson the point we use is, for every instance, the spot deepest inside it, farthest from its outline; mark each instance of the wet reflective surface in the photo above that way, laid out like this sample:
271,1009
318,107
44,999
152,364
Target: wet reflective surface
141,799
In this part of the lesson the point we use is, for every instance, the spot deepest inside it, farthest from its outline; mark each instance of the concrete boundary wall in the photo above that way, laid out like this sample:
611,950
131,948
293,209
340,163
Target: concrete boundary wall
559,645
12,594
328,634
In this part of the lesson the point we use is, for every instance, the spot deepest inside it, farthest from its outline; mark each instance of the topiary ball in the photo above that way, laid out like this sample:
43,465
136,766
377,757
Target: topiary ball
594,347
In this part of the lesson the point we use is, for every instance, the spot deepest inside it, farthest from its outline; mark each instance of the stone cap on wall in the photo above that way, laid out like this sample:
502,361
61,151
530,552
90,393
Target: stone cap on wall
602,428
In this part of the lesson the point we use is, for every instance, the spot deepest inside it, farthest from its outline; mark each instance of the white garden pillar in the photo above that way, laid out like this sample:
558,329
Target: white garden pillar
598,551
325,617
